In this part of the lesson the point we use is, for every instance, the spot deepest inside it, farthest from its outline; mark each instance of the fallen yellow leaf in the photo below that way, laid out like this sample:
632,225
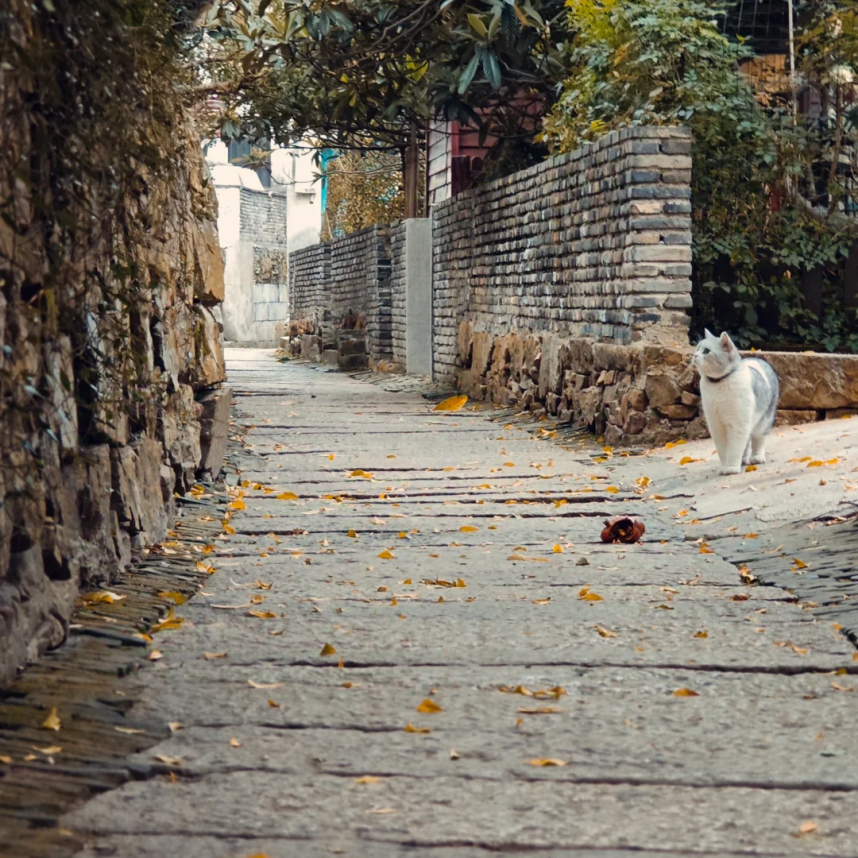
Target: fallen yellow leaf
155,655
237,504
327,649
544,761
805,828
429,706
685,692
367,779
701,634
410,728
262,615
235,743
386,555
605,633
287,496
453,403
558,549
591,597
173,596
468,528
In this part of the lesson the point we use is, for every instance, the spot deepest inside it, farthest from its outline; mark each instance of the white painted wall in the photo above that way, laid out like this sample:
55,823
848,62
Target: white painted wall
292,173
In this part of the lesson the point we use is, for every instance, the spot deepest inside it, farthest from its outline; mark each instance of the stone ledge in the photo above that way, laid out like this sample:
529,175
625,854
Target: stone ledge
636,394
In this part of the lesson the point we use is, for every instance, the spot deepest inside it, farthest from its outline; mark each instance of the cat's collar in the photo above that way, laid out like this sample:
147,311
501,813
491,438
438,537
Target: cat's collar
721,377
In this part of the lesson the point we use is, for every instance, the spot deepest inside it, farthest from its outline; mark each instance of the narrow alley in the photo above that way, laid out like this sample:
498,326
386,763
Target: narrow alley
415,642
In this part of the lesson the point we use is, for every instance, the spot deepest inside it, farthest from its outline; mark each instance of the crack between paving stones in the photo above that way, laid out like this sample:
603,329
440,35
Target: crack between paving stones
775,670
628,780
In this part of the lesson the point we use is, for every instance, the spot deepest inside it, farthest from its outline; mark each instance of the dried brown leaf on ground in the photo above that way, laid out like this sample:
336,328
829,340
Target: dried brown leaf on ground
623,529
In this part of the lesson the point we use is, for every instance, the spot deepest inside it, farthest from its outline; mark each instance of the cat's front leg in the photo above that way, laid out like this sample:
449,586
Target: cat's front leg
719,436
737,443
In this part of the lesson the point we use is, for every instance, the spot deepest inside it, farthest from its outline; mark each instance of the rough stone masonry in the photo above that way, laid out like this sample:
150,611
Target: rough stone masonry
95,436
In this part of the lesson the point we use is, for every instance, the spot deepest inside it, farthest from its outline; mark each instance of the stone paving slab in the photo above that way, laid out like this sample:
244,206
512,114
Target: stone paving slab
285,751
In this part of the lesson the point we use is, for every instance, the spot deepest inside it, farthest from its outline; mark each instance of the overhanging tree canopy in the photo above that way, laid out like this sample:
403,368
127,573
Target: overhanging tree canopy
370,73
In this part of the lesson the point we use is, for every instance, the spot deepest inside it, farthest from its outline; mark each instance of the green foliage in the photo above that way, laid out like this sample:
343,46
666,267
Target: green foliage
344,72
768,207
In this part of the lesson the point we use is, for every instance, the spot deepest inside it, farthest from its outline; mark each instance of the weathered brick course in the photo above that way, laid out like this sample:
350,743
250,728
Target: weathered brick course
571,246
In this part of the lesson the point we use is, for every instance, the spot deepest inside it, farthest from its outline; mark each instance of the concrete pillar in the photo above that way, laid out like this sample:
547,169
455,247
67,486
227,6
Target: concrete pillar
418,296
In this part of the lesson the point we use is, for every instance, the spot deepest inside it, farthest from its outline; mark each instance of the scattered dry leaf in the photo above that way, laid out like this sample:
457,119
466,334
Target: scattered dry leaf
453,403
685,692
623,529
52,722
429,706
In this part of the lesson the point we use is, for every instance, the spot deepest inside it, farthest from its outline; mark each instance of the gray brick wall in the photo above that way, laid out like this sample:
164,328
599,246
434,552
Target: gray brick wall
595,243
309,282
397,292
358,284
263,215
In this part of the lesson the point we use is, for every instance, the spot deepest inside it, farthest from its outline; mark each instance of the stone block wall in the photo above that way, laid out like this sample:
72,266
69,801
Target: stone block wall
637,394
397,293
100,418
595,243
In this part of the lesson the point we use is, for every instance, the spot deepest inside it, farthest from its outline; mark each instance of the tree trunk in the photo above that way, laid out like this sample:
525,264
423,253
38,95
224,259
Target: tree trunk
850,283
812,284
411,174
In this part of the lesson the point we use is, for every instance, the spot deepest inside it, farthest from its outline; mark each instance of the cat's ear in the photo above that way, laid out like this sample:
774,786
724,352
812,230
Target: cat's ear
708,334
726,342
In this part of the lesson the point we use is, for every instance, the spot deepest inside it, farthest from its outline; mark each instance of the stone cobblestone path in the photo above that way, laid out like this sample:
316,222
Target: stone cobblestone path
446,623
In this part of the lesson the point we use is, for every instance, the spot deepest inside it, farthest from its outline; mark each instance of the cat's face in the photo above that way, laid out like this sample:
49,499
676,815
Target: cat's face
715,356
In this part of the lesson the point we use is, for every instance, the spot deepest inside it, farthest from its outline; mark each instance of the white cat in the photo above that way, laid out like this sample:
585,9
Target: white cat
739,399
